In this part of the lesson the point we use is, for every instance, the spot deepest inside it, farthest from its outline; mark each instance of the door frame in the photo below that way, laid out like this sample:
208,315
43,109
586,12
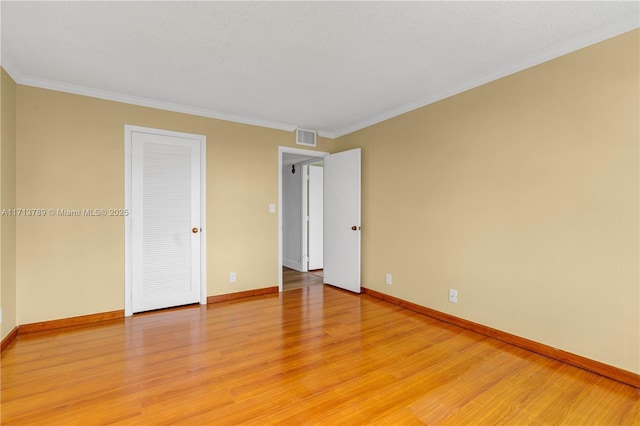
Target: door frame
282,150
128,277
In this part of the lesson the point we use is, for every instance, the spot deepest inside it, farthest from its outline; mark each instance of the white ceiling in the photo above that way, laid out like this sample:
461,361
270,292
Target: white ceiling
334,67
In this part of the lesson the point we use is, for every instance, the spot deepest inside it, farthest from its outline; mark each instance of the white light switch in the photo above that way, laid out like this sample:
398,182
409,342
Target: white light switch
272,208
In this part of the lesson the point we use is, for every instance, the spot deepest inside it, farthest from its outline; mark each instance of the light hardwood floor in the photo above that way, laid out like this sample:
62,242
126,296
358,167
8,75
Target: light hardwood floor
315,355
292,279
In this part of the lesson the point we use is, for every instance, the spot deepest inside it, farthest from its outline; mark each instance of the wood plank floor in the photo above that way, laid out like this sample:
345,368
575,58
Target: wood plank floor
316,355
292,279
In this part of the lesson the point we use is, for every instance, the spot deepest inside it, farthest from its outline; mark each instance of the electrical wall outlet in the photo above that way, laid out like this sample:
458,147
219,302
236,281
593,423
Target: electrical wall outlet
388,279
232,277
453,295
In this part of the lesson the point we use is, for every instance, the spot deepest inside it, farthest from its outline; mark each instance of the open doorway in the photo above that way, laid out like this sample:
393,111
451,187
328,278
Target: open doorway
302,224
341,215
300,217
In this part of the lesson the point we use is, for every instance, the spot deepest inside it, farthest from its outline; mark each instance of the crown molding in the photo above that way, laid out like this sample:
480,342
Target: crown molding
573,45
146,102
326,134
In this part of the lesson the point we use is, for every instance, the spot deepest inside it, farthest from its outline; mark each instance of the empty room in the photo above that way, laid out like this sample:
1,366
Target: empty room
352,213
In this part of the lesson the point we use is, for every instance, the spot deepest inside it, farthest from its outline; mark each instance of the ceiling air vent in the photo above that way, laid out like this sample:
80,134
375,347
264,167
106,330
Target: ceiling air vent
306,137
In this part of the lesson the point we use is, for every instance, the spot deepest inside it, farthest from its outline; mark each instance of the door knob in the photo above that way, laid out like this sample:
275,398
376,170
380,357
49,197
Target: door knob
354,228
194,230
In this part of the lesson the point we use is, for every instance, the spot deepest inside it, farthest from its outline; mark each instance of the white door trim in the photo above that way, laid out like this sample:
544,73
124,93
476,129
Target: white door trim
304,249
128,280
282,150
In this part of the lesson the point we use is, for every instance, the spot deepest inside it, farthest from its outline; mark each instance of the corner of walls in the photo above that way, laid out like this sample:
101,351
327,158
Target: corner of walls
8,291
329,145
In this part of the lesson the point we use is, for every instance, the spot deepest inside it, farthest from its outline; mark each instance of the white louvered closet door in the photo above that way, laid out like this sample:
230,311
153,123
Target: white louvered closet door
165,221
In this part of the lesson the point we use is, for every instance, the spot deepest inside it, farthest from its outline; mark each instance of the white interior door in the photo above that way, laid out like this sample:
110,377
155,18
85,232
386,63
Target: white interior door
342,220
316,221
165,221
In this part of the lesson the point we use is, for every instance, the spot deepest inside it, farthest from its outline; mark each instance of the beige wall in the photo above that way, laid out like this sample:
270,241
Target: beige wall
521,194
7,201
70,155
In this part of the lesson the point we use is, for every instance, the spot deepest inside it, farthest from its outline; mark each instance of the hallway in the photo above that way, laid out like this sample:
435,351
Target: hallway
292,279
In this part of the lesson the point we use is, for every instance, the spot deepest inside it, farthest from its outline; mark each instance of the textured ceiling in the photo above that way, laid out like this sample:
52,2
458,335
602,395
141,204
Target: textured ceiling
334,67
